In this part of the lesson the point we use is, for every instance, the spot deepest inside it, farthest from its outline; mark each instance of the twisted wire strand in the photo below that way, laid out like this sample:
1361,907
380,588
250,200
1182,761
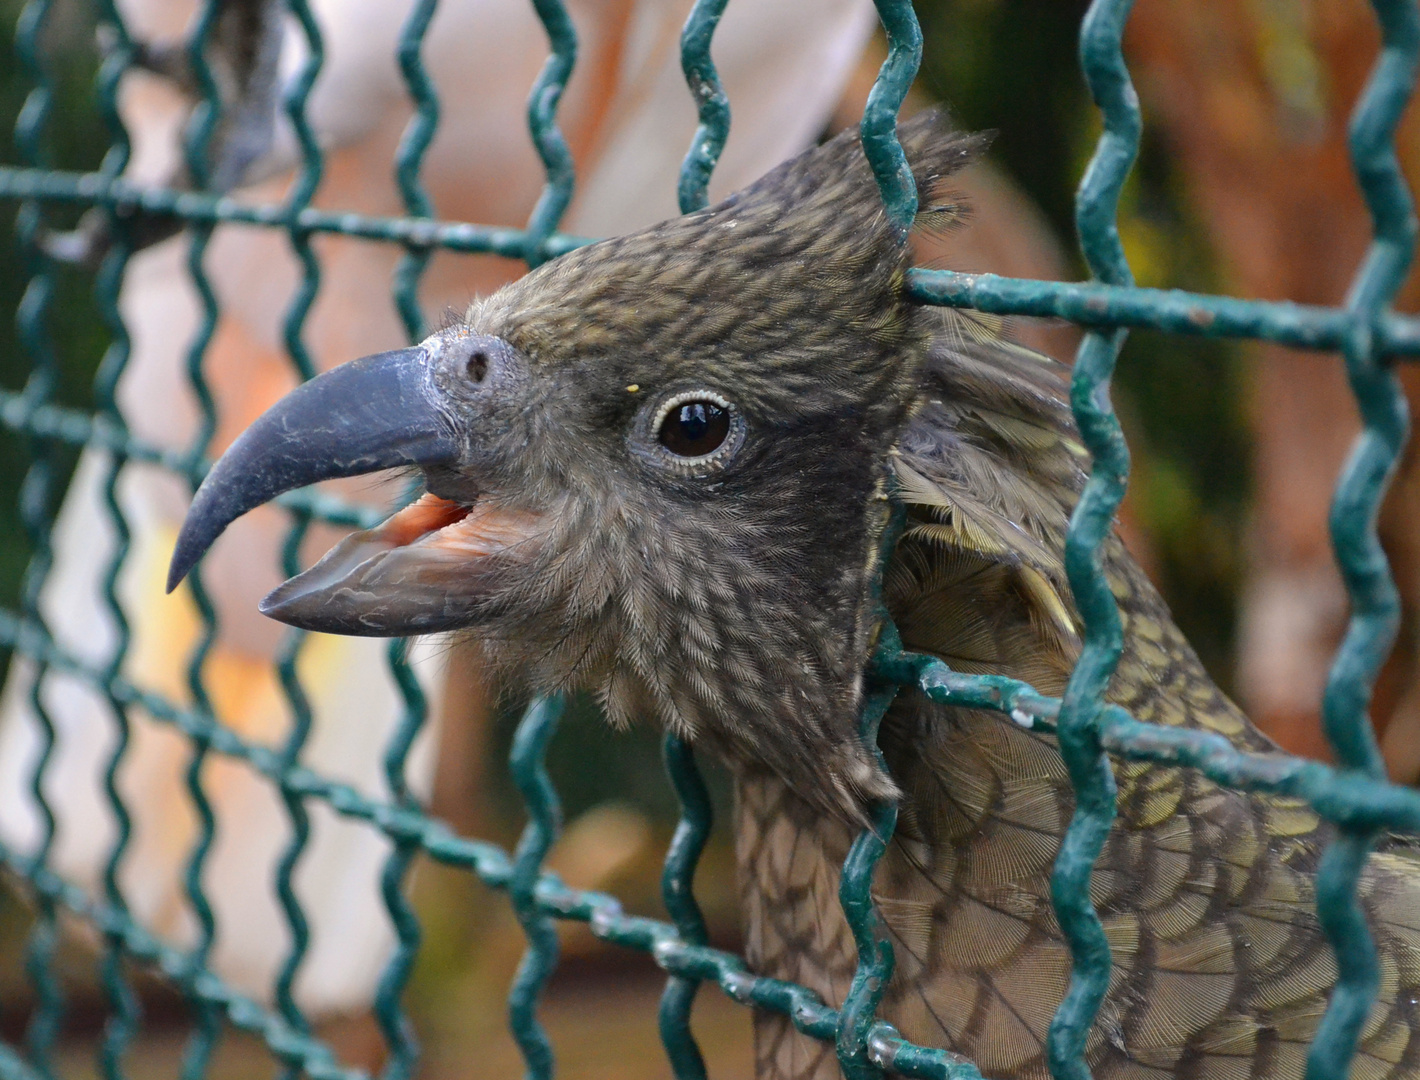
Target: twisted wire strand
879,126
548,140
712,105
527,760
409,160
390,1015
529,768
306,183
1375,601
394,1022
1091,524
197,141
692,832
687,844
121,1025
37,491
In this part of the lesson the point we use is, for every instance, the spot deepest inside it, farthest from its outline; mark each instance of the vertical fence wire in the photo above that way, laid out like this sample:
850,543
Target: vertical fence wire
197,152
294,803
394,1022
859,1039
36,495
712,105
874,969
307,181
527,761
121,1025
692,832
875,962
687,844
547,137
1092,777
1375,601
879,126
409,159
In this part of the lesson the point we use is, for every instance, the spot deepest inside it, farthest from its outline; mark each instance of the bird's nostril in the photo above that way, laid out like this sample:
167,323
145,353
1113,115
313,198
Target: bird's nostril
477,366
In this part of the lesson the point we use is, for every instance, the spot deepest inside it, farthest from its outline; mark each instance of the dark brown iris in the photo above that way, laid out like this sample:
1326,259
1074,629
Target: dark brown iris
695,428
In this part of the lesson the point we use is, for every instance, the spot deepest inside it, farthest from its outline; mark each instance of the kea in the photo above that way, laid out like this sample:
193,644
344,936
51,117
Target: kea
662,467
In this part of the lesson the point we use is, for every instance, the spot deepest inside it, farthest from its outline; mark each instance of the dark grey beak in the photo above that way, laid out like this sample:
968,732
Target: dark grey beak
379,412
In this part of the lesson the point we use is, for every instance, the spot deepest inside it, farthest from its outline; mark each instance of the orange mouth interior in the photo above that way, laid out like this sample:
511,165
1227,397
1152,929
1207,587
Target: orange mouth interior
427,514
451,529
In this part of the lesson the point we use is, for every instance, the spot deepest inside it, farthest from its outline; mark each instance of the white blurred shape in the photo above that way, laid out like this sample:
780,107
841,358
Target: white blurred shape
629,119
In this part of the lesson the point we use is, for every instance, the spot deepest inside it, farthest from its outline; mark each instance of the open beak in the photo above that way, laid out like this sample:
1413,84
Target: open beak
410,575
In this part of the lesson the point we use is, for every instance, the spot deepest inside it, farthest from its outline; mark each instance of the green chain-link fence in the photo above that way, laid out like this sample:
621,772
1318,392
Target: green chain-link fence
1353,795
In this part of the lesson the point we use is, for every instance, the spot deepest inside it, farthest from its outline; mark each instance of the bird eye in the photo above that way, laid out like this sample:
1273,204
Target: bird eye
693,432
695,428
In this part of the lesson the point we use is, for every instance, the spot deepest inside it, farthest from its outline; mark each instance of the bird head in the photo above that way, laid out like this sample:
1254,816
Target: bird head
655,467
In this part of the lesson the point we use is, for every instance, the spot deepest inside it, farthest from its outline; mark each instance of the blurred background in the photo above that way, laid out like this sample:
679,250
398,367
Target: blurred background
1242,186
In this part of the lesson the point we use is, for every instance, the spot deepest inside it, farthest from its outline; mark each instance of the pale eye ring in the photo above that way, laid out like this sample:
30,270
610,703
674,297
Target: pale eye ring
695,429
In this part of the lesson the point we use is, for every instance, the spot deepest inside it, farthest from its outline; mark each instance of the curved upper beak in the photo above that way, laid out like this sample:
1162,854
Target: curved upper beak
379,412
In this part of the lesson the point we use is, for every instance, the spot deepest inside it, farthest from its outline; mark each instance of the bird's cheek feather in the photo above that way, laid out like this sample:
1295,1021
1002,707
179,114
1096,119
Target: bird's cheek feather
422,571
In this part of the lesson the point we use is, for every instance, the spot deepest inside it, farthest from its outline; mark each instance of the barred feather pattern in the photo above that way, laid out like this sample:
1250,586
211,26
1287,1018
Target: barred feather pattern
1220,968
730,596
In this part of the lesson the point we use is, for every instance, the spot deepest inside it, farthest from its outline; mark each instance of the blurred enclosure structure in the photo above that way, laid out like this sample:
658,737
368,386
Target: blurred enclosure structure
1243,186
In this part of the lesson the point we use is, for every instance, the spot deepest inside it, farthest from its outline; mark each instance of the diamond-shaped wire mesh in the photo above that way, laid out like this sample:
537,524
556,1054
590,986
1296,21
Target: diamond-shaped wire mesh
1352,795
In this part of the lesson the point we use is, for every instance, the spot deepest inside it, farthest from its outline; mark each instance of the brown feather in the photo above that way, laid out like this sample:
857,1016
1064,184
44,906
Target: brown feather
1221,971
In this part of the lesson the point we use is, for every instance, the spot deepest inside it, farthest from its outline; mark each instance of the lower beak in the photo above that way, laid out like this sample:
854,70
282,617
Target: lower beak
424,570
379,412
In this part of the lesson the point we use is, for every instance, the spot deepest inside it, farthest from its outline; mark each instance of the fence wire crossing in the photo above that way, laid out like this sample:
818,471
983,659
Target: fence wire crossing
1353,795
